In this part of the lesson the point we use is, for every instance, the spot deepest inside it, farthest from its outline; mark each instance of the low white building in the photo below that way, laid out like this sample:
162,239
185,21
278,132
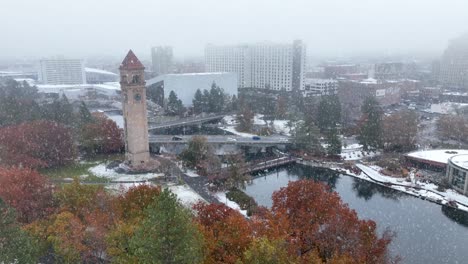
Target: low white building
320,87
82,91
100,76
185,85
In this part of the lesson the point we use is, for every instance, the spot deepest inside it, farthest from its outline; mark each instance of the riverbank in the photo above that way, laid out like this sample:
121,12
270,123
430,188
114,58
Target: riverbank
426,191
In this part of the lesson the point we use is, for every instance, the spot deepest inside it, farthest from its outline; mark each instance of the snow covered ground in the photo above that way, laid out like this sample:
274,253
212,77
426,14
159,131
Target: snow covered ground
281,126
101,171
191,173
415,188
221,196
186,195
355,152
232,129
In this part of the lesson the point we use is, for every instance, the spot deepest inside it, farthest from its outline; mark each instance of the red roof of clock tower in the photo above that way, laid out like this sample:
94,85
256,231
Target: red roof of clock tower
131,62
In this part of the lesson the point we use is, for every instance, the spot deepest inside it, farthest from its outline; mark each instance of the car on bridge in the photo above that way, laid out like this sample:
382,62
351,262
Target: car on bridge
176,138
256,138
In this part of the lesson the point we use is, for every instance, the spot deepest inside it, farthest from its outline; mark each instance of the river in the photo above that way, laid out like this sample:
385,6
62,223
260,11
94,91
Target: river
425,234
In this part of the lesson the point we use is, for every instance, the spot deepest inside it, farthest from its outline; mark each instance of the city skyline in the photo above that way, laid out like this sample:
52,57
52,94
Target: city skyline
336,27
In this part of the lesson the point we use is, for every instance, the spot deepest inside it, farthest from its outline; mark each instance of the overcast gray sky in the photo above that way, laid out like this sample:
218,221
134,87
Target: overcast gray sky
329,27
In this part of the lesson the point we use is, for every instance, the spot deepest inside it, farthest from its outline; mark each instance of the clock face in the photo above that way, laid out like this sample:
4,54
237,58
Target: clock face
137,97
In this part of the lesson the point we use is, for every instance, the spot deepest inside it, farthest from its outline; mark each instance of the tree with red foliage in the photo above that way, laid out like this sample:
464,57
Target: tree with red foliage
36,144
29,192
320,222
102,135
227,233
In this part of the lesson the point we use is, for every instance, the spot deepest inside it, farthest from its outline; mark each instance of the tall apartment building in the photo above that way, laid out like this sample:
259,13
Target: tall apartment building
62,71
162,59
453,68
263,65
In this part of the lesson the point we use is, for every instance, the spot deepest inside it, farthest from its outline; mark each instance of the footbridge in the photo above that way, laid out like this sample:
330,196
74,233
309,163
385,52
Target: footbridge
186,121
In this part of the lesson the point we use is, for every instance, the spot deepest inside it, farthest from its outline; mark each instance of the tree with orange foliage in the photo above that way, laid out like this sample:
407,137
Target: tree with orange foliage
102,135
227,233
36,144
29,192
320,222
89,213
66,234
132,203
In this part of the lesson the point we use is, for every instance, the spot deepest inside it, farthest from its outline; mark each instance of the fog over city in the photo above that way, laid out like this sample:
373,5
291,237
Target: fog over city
330,28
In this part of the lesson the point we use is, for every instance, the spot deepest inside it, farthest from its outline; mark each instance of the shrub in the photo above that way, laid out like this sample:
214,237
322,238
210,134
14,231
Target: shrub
243,200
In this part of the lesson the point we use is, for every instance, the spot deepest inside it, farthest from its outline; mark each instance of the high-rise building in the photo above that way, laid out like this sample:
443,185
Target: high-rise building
162,59
263,65
61,71
453,69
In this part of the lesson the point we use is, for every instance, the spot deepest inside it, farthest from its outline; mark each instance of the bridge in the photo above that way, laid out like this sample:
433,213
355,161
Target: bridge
187,121
220,139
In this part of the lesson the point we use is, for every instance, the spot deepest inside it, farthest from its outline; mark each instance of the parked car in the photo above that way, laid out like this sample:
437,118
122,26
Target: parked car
176,138
256,138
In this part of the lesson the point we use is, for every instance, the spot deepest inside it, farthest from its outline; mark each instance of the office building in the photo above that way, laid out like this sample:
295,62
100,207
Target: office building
453,67
263,65
320,87
61,71
162,59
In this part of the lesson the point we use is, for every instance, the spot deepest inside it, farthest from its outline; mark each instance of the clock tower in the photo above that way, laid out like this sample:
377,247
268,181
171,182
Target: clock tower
132,83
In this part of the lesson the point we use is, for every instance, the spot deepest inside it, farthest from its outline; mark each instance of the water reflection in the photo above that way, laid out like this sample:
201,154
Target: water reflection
366,190
319,174
424,233
456,215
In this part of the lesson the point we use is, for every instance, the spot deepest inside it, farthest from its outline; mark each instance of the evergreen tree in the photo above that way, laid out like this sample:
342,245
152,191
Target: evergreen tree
306,137
174,104
206,101
234,103
16,246
329,113
370,133
334,143
198,102
155,93
84,114
17,103
60,111
216,99
168,234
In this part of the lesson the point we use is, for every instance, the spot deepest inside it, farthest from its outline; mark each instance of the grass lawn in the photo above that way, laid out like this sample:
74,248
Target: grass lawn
80,169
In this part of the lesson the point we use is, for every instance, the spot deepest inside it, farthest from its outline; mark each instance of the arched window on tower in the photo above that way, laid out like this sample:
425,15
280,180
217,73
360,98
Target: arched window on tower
123,78
136,79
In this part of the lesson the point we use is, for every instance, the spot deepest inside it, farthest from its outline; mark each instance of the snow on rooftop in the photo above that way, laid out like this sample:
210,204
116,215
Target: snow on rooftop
320,81
460,160
445,108
93,70
369,81
198,73
437,155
